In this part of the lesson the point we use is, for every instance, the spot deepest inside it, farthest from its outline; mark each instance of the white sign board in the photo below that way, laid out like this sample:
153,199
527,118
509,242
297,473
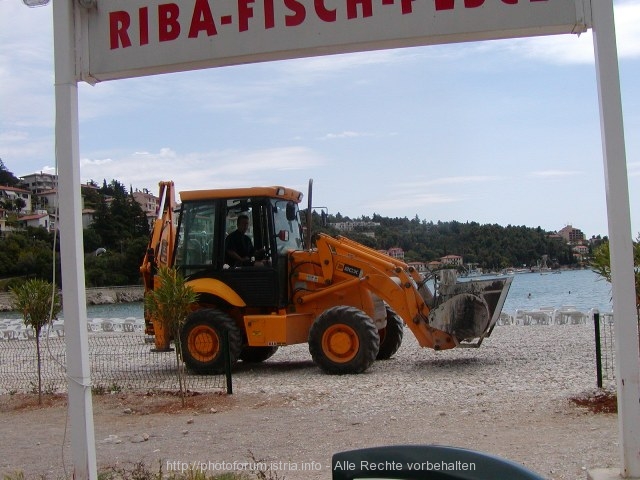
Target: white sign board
128,38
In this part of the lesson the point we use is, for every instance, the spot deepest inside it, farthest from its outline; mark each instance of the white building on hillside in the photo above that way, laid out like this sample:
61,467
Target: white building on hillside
9,196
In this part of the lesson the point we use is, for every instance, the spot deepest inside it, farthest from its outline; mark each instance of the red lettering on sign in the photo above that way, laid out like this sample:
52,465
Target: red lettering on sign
168,25
407,6
450,4
202,19
143,23
352,8
118,25
324,13
245,12
269,14
299,13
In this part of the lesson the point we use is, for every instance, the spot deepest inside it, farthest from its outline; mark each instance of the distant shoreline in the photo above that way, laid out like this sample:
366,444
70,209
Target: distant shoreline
95,296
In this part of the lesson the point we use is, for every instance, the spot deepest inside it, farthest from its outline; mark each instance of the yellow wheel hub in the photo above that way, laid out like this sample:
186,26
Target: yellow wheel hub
340,343
203,343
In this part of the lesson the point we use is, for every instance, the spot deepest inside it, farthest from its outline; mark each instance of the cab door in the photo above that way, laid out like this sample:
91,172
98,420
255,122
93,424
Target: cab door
257,282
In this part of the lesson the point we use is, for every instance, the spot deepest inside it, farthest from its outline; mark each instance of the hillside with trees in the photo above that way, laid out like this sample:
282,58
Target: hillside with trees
492,247
114,244
121,228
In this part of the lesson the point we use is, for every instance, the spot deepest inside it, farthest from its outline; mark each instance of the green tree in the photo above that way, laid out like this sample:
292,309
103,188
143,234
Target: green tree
169,304
27,253
601,264
120,219
6,177
39,302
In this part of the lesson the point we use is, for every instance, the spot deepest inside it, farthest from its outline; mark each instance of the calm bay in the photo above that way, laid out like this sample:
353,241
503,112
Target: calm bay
581,289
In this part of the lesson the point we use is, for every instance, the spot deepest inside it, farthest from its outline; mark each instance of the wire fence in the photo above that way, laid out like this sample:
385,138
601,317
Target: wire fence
124,358
605,346
118,361
604,333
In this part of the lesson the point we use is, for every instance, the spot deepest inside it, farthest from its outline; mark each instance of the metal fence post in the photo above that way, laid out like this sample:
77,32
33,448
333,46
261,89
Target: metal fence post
596,326
227,361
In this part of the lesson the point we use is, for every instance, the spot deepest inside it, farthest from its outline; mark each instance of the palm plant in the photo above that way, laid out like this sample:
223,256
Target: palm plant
169,304
601,264
39,302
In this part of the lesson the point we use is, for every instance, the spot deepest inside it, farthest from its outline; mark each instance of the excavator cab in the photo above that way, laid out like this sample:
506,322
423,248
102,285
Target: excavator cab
273,230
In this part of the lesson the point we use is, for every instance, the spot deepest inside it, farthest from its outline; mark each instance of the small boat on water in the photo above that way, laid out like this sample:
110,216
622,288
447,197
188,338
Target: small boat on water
471,270
514,271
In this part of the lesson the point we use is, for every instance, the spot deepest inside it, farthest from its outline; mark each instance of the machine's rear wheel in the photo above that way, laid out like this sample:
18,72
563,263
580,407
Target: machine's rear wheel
343,340
257,354
202,340
390,336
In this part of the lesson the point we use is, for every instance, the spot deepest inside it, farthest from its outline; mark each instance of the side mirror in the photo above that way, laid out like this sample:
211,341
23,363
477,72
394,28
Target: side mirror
283,235
291,211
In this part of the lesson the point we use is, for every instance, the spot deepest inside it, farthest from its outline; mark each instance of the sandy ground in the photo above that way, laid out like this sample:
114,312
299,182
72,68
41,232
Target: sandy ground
511,398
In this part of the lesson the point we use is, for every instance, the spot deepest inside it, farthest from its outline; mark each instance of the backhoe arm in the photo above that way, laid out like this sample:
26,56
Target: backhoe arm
162,239
459,314
342,261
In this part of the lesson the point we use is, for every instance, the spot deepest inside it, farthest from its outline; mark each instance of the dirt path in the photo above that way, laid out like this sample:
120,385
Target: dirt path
506,399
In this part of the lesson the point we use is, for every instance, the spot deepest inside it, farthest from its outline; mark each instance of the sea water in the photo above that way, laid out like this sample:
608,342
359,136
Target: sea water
114,310
581,289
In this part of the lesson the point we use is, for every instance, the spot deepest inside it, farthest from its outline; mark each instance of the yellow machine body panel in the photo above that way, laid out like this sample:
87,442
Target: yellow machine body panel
277,329
218,289
283,193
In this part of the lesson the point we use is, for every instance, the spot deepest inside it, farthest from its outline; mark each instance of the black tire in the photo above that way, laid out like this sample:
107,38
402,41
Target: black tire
390,336
202,341
257,354
343,340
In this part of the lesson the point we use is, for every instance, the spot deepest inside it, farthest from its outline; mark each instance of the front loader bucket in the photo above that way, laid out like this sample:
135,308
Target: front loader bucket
469,310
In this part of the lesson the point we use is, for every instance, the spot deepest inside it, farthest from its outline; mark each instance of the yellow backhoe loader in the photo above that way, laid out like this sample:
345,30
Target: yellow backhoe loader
349,302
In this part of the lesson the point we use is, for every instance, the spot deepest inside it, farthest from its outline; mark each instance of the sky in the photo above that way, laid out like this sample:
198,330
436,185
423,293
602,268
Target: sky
503,132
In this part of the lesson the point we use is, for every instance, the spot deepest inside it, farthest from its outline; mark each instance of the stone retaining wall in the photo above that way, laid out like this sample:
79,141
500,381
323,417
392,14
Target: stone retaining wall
95,296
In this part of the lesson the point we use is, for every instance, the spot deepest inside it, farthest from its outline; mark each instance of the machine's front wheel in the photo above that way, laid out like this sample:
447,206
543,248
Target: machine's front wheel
202,340
257,354
390,336
343,340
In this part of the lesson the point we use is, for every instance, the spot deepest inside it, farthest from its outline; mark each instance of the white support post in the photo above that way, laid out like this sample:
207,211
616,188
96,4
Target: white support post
620,237
71,250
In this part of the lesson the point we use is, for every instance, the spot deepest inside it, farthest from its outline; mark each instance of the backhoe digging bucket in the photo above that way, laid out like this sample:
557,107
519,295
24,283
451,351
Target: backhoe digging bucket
469,310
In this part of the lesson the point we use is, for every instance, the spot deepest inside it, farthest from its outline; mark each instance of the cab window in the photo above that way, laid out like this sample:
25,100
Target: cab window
287,226
196,237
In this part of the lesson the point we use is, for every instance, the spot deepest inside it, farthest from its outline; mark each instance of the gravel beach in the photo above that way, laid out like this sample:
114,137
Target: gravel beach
511,397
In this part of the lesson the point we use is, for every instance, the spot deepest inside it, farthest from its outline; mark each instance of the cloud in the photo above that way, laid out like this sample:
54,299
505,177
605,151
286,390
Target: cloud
200,170
419,193
555,173
26,67
315,68
633,169
457,180
400,204
346,134
13,136
18,145
627,18
566,49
